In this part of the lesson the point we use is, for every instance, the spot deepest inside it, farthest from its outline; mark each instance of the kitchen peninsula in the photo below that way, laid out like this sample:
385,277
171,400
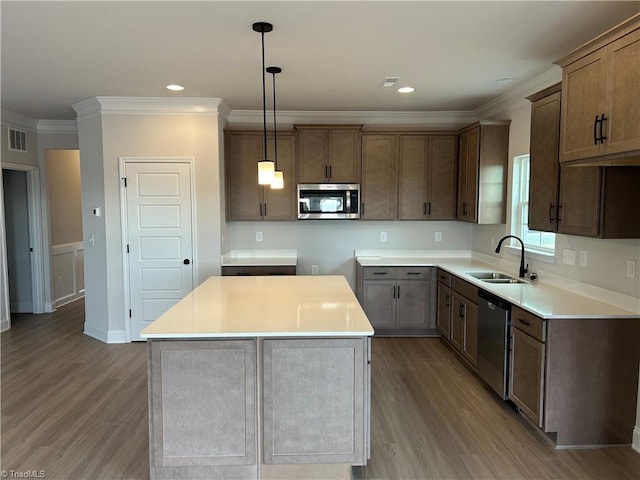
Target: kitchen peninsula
246,371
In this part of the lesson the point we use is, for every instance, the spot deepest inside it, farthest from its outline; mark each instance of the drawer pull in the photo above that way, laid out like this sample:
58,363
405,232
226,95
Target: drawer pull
414,273
524,321
380,273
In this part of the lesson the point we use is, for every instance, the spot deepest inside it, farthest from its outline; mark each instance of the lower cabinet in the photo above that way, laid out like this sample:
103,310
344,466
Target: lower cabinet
464,319
398,300
204,404
527,358
576,378
445,302
314,409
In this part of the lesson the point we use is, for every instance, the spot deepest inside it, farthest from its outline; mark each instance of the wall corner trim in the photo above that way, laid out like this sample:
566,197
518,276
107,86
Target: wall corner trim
149,106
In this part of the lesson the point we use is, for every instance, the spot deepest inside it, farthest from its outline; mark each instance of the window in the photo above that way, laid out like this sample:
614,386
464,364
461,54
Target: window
544,242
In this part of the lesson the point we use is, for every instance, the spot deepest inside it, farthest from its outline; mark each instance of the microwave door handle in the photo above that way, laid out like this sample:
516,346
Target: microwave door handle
347,208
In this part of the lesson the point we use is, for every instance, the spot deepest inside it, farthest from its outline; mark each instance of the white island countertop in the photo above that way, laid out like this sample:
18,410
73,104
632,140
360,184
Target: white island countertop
269,306
543,299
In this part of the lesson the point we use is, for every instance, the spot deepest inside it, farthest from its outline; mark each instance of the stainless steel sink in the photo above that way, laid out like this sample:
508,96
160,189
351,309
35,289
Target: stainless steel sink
494,277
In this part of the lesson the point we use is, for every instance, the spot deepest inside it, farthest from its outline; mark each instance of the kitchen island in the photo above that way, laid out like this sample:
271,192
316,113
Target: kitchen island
247,372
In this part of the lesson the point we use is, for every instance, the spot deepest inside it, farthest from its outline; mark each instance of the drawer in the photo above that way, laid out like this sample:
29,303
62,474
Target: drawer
444,277
396,273
259,270
465,289
528,323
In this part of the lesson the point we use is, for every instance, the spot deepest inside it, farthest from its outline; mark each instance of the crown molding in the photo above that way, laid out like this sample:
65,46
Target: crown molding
19,121
518,96
291,117
58,126
149,106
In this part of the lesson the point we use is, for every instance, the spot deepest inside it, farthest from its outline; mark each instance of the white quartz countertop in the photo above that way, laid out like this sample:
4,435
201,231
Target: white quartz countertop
545,300
269,306
260,258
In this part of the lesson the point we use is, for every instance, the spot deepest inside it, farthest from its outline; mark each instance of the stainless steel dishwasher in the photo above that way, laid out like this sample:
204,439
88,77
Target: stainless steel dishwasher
494,321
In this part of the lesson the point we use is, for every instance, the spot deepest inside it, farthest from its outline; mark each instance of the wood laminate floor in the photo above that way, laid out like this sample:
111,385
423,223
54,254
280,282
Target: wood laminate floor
76,408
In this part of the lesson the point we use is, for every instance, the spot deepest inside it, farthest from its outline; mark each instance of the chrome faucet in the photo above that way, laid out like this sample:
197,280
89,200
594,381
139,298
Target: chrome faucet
523,269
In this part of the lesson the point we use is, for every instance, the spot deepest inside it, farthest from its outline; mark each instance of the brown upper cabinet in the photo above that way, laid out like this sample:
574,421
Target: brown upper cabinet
328,154
482,172
544,168
576,200
601,98
427,177
379,189
246,200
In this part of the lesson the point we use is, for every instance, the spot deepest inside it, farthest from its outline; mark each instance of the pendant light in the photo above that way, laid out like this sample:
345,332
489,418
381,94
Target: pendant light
266,167
278,177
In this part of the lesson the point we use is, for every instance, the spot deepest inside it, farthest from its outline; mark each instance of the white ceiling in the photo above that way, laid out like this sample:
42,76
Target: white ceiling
334,55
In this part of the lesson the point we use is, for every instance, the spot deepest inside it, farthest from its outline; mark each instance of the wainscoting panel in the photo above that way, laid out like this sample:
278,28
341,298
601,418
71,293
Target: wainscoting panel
68,272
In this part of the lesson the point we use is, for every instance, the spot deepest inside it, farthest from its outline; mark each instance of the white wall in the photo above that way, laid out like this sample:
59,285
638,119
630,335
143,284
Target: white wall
330,244
104,138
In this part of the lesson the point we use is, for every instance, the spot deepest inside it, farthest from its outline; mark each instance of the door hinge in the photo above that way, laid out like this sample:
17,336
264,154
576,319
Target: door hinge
129,313
125,181
127,248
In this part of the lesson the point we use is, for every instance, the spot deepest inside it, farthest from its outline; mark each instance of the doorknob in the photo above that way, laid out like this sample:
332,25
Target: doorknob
186,261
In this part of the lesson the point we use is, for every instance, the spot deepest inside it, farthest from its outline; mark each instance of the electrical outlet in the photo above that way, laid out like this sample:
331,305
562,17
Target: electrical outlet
631,269
383,236
569,256
314,269
583,258
258,236
438,236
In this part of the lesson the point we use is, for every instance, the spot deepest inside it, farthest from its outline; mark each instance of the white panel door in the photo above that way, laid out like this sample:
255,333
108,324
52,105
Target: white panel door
159,238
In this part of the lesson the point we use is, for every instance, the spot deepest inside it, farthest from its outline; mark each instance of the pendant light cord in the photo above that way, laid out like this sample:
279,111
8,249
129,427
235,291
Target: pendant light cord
275,129
264,101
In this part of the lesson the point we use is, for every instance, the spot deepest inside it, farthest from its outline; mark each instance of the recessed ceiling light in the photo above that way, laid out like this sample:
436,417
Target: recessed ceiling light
505,79
175,88
406,89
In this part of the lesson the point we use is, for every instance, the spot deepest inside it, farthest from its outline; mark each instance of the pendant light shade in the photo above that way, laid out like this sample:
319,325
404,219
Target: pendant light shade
278,180
266,167
278,177
266,172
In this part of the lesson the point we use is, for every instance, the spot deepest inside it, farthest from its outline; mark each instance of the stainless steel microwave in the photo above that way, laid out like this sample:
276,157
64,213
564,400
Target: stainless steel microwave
328,201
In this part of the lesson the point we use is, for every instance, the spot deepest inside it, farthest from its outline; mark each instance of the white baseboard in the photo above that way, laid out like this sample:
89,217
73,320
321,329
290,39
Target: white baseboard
636,439
117,336
4,324
49,307
111,336
95,333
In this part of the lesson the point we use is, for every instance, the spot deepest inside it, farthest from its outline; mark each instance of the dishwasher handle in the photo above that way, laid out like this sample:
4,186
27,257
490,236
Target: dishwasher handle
494,300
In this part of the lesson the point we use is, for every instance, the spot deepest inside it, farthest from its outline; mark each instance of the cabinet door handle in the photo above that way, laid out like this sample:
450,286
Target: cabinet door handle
424,208
394,291
261,209
429,208
398,292
559,217
602,136
330,172
595,130
446,300
464,208
551,219
524,321
265,209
